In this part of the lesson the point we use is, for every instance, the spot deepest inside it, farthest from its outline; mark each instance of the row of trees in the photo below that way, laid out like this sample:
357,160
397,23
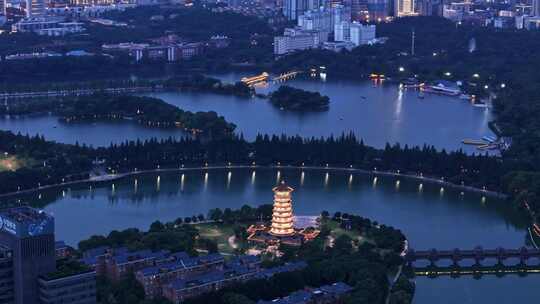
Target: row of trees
70,162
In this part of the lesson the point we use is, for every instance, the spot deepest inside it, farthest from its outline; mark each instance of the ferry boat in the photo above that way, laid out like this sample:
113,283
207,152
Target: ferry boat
480,105
443,88
489,138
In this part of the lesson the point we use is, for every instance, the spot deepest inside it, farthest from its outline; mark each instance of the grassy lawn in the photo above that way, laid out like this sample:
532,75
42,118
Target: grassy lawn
12,163
220,233
336,231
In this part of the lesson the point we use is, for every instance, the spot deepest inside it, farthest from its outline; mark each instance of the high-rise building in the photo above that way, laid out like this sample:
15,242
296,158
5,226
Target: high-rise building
2,7
379,9
404,8
35,8
319,19
429,7
28,257
362,34
7,294
313,4
282,214
29,234
536,8
359,10
340,13
294,8
342,31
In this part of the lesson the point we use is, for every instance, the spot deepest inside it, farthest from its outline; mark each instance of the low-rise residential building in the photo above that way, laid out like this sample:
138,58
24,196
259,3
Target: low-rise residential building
182,289
179,266
78,288
296,39
26,56
338,46
169,52
62,250
328,294
220,42
119,266
116,263
48,26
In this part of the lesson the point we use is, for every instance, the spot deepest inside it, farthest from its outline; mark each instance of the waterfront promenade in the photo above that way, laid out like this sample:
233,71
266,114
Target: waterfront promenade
113,177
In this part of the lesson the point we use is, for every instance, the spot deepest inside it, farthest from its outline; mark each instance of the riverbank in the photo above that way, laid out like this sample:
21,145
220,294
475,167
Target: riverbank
114,177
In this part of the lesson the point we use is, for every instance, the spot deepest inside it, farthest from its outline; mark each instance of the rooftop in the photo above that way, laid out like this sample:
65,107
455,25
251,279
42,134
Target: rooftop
67,268
305,296
181,260
24,215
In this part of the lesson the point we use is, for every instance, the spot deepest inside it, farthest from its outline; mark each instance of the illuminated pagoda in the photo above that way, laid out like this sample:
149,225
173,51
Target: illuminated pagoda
282,229
282,213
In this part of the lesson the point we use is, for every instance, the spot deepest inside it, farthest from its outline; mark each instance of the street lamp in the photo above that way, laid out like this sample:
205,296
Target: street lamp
448,74
476,75
401,69
503,85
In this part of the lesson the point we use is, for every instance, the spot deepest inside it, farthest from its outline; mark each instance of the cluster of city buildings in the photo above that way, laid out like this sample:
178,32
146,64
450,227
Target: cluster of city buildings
329,28
519,14
61,17
28,262
179,276
169,48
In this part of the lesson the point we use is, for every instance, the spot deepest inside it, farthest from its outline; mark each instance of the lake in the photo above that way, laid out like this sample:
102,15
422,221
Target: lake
428,216
377,114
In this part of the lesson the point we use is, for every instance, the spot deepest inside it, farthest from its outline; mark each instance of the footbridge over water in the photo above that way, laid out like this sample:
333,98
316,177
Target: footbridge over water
477,254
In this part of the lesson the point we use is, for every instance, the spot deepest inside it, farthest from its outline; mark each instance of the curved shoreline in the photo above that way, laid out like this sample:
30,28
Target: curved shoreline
113,177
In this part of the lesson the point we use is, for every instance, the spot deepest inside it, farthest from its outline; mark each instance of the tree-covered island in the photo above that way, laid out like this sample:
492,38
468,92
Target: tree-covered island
151,112
293,99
